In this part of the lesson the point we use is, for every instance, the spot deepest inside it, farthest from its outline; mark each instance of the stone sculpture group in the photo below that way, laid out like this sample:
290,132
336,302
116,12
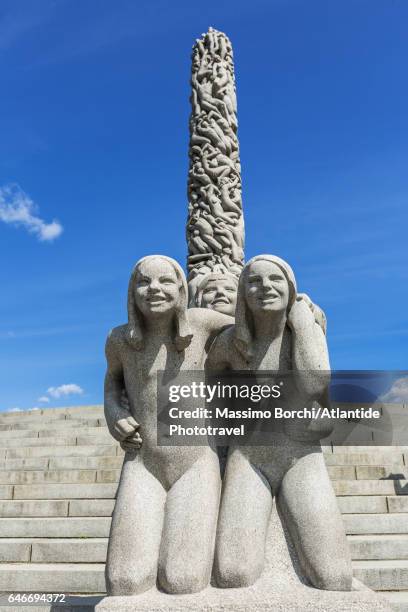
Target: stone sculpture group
189,519
169,497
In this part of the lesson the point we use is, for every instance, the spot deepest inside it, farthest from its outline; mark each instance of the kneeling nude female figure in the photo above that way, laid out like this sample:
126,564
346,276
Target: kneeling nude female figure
275,330
164,523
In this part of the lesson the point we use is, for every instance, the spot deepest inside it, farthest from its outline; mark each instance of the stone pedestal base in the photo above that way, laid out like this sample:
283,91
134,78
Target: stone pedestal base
281,588
260,598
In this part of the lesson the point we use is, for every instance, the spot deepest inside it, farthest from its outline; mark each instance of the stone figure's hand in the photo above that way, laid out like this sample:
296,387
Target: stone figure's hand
134,442
300,314
318,313
306,298
125,428
126,433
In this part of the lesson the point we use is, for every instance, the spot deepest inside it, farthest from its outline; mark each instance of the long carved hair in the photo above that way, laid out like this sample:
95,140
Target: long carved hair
244,324
135,324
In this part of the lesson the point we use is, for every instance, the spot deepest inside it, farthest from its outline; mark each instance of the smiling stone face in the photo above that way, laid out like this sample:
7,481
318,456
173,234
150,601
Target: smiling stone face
266,288
157,288
220,294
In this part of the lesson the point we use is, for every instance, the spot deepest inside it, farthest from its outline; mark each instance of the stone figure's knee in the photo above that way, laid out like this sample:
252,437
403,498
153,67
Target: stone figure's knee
334,575
236,573
179,578
123,581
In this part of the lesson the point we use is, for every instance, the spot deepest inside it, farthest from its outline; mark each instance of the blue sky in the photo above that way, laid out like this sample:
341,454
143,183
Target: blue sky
94,129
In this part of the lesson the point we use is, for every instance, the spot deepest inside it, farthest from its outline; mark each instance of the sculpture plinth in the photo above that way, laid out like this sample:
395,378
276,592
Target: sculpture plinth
278,590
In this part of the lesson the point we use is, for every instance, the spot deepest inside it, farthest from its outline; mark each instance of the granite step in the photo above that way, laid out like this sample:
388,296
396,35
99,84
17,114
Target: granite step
62,491
33,508
103,437
55,527
370,487
378,547
342,472
367,504
398,599
372,448
6,491
25,477
396,471
53,577
61,463
91,507
373,504
57,550
397,504
58,476
17,508
36,441
62,451
360,524
85,463
30,463
31,416
69,428
69,410
81,430
70,440
383,575
60,424
364,459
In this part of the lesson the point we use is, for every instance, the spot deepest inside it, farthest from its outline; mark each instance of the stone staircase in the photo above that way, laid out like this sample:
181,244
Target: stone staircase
59,470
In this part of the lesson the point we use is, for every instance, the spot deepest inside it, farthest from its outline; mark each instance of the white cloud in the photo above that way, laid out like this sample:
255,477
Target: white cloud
398,394
18,209
44,399
16,409
62,390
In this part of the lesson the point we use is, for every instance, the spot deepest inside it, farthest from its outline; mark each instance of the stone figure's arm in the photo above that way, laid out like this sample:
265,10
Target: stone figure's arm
310,358
121,424
215,322
211,322
218,356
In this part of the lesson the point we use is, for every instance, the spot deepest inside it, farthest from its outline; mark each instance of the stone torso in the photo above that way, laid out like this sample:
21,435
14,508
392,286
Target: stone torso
140,368
268,355
281,452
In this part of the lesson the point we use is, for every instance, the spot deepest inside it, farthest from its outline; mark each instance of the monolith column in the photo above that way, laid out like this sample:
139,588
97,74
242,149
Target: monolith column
215,226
